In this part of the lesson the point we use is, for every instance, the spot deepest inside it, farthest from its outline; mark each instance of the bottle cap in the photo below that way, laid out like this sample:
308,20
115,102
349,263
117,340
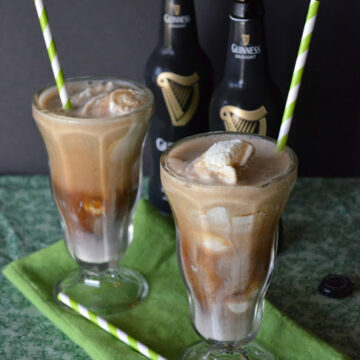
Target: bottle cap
247,9
336,286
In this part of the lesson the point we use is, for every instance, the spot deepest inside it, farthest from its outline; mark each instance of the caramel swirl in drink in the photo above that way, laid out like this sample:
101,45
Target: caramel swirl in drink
227,192
94,153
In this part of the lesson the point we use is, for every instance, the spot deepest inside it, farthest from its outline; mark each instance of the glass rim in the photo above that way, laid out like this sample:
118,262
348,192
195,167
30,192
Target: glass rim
76,119
291,168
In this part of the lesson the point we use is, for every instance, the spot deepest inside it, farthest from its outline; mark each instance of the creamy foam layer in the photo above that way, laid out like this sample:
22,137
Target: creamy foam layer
96,99
263,166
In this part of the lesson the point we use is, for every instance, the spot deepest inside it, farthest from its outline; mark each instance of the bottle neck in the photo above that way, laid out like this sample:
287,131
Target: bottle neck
246,45
178,25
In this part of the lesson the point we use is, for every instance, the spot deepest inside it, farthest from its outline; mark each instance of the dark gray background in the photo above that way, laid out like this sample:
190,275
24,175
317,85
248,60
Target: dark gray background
116,37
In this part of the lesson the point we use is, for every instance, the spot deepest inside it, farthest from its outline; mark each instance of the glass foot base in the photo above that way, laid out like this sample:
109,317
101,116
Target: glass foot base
105,293
205,351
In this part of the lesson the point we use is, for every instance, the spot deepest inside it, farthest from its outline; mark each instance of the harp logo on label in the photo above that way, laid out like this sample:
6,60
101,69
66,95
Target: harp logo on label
237,119
181,96
177,20
245,39
177,9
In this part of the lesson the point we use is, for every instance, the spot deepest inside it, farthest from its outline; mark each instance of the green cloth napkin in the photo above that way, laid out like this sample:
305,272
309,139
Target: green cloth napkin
162,320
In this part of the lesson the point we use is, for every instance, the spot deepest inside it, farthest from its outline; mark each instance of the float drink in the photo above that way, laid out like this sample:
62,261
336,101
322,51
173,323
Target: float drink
94,154
227,232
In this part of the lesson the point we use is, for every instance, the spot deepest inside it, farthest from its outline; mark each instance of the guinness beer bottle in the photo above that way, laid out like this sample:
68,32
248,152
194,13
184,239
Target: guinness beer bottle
180,76
246,99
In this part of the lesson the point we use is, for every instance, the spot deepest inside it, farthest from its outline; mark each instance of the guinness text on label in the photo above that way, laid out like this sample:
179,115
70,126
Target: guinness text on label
177,21
245,52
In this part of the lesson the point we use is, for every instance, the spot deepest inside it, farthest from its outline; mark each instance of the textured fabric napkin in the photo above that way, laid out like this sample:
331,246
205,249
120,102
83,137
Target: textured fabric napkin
162,320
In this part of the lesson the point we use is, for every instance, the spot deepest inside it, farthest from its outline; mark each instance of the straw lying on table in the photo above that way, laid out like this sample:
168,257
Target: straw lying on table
111,329
297,75
51,48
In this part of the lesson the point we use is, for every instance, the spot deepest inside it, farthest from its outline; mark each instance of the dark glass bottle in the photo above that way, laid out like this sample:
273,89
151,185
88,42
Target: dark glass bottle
246,99
180,76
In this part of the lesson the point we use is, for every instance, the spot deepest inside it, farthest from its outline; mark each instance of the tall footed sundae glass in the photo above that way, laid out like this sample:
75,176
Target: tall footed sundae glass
94,154
227,192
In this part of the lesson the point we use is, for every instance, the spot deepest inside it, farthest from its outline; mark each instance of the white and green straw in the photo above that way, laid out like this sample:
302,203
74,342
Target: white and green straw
51,48
111,329
297,75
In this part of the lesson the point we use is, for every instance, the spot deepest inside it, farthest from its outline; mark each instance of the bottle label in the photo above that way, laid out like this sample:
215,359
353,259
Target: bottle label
181,95
246,39
240,120
176,20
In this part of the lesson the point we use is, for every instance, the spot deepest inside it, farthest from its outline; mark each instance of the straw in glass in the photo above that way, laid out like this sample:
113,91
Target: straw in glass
111,329
51,48
297,75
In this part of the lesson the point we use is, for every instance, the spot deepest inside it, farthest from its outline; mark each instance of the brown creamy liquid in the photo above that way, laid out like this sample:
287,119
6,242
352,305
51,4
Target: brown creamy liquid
94,153
227,233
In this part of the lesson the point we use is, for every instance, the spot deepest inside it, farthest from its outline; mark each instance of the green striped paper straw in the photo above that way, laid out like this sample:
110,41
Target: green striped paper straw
297,75
51,48
111,329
